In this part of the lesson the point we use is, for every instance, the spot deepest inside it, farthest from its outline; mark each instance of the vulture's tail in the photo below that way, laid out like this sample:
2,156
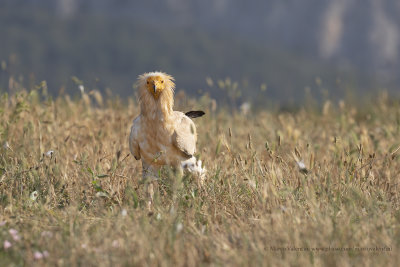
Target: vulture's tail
195,113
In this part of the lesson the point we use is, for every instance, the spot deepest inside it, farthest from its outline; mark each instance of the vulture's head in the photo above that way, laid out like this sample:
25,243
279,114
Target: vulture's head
156,84
156,90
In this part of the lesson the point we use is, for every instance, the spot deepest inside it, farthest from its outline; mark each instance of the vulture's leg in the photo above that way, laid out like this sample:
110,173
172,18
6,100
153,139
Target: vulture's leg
150,177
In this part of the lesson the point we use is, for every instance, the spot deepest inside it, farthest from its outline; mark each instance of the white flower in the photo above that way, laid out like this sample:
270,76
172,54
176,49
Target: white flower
33,196
245,108
179,227
14,234
124,212
12,231
115,244
49,153
37,255
302,166
7,244
7,146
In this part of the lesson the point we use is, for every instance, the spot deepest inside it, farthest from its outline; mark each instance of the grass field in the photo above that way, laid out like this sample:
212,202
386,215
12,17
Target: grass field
311,187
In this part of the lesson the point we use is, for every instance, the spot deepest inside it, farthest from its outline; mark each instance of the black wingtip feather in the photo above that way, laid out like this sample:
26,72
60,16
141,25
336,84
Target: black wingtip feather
195,113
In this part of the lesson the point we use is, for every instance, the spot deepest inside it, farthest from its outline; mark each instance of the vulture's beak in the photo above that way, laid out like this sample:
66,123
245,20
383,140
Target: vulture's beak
155,88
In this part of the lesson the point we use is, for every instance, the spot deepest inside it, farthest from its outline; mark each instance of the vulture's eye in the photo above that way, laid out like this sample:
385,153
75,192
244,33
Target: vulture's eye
147,82
162,81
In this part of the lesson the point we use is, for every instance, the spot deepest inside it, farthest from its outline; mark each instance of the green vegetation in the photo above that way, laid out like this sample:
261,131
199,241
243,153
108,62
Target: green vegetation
311,187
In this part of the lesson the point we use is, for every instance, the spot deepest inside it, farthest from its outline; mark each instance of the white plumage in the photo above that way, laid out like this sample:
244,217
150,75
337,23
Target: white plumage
160,136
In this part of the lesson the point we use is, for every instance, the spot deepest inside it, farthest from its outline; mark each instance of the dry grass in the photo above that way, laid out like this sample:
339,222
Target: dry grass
90,208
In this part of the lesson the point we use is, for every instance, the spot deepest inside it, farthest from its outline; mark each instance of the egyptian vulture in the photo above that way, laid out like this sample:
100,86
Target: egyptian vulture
159,135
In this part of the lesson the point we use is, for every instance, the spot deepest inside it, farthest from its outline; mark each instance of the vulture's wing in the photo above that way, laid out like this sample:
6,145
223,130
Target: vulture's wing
133,139
184,137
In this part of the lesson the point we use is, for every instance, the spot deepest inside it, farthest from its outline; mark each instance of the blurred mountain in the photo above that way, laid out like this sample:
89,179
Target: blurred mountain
285,44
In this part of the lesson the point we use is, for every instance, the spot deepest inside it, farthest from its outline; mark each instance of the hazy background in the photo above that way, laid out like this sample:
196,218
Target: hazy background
280,50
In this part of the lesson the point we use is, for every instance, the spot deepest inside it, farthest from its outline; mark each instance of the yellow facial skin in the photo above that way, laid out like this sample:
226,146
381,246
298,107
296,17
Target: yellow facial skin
155,85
